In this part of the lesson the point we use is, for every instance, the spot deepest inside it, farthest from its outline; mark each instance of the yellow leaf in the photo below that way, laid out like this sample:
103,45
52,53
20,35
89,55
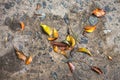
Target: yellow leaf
85,51
89,28
55,33
29,60
71,40
55,48
63,53
47,29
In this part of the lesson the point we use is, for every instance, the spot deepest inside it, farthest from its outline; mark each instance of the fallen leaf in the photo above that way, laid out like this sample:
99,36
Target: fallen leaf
85,51
109,57
63,53
55,48
66,42
71,40
98,12
22,25
20,54
89,28
51,39
59,44
55,33
71,66
96,69
38,6
29,60
47,29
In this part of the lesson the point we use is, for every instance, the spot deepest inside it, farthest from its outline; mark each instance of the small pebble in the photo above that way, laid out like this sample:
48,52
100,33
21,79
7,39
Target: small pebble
93,20
8,21
54,75
84,40
107,8
66,19
44,4
106,31
9,5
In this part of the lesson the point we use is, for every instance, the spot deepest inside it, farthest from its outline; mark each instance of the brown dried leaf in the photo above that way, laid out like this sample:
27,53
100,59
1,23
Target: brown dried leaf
59,44
109,57
71,66
20,54
29,60
96,69
98,12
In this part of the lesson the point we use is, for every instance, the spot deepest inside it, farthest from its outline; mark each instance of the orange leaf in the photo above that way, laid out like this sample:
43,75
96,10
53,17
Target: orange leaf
51,39
98,12
29,60
22,25
71,66
89,28
96,69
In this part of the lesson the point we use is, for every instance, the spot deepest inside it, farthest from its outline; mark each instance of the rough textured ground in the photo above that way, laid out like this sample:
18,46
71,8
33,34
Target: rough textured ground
48,65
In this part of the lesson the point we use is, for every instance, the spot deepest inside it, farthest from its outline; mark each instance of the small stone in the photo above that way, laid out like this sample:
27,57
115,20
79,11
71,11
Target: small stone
54,75
93,20
66,19
106,31
50,49
9,5
8,21
84,40
44,4
107,8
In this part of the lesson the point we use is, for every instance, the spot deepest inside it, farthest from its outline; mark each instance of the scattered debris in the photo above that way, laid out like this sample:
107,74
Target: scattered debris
29,60
71,66
98,12
96,69
85,51
89,29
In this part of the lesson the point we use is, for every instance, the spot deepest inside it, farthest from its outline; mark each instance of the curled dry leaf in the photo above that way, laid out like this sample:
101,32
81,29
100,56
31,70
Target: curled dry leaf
55,35
96,69
59,44
109,57
71,66
71,40
47,29
38,6
98,12
89,29
63,53
85,51
22,25
29,60
20,54
55,48
66,42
